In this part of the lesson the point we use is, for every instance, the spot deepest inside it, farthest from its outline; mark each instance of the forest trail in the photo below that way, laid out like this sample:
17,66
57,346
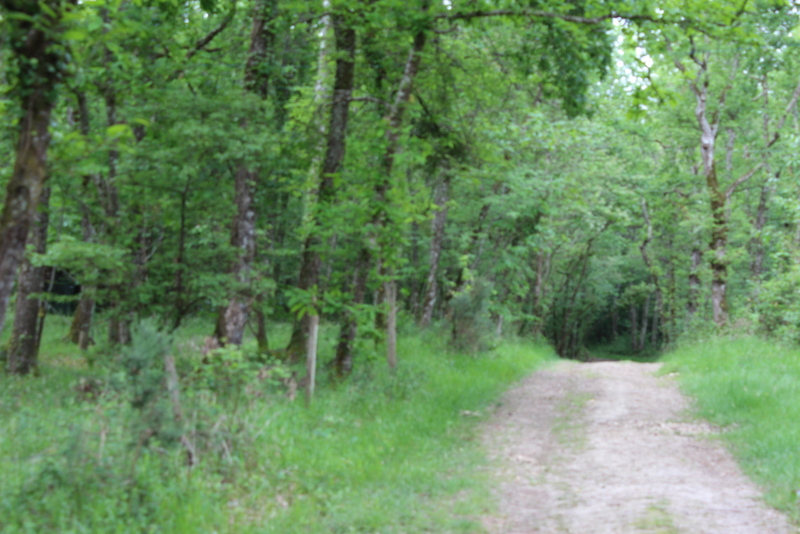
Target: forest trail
607,447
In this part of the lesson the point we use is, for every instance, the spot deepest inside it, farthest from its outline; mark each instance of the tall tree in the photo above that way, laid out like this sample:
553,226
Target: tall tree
324,175
38,58
233,319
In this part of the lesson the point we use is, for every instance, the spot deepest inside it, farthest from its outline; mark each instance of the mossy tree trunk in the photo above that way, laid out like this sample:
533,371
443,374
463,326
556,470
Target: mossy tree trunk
32,28
23,347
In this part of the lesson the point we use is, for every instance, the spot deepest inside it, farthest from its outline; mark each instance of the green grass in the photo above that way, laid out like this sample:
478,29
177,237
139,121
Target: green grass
383,452
751,387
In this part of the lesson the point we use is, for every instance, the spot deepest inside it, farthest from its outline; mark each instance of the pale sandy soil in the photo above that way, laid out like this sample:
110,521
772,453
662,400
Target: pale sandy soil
608,447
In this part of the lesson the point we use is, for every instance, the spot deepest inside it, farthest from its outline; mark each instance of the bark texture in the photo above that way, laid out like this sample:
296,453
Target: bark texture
23,347
694,282
39,65
233,320
235,314
441,196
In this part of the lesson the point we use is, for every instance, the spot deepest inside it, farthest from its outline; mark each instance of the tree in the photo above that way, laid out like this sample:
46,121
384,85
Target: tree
36,37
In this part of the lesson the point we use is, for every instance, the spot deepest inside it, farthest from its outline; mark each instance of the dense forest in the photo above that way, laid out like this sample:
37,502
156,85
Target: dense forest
615,173
582,172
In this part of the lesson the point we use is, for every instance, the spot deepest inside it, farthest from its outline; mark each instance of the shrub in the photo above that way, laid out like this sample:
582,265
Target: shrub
778,306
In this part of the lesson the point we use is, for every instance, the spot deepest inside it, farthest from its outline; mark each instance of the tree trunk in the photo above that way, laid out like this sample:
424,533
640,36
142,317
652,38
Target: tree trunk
614,321
343,362
232,324
542,272
694,282
719,243
672,331
416,286
119,329
119,318
344,356
23,347
657,312
88,231
86,307
757,242
441,196
181,306
335,150
654,276
634,330
709,128
261,330
84,312
645,319
39,65
381,219
235,314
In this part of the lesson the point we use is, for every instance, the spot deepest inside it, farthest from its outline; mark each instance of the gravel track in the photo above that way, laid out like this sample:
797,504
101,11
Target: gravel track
607,447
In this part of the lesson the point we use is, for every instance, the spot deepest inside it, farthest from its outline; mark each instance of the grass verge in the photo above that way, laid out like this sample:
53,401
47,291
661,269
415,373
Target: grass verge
751,387
383,452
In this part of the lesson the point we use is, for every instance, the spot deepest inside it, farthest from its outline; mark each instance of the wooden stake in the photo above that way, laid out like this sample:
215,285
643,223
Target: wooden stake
391,324
311,356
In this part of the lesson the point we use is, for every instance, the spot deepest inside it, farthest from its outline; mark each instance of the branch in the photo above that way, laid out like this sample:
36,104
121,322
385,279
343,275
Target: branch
693,55
742,11
535,13
742,180
213,33
682,68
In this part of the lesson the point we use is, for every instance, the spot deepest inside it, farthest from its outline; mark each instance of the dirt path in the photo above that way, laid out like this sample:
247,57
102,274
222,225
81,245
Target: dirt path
607,448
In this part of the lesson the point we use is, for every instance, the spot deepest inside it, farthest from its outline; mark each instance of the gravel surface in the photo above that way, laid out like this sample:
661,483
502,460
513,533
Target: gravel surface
607,447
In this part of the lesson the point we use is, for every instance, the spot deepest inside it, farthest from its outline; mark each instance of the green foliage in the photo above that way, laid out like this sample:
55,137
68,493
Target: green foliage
751,388
472,330
89,263
778,306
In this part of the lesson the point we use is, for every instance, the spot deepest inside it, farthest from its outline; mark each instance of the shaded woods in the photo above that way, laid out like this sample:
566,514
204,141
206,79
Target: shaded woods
343,154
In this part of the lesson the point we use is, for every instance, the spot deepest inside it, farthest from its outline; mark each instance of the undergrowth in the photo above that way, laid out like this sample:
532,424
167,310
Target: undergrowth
751,387
99,449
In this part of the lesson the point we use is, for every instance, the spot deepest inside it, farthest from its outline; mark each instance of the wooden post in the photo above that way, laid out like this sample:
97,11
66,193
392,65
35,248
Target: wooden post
311,356
391,324
177,413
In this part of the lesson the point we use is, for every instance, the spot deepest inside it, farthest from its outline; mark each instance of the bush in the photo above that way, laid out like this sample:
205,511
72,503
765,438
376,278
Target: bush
778,306
472,328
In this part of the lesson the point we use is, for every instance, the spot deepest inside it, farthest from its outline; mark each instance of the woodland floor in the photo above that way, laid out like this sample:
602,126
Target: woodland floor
608,447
